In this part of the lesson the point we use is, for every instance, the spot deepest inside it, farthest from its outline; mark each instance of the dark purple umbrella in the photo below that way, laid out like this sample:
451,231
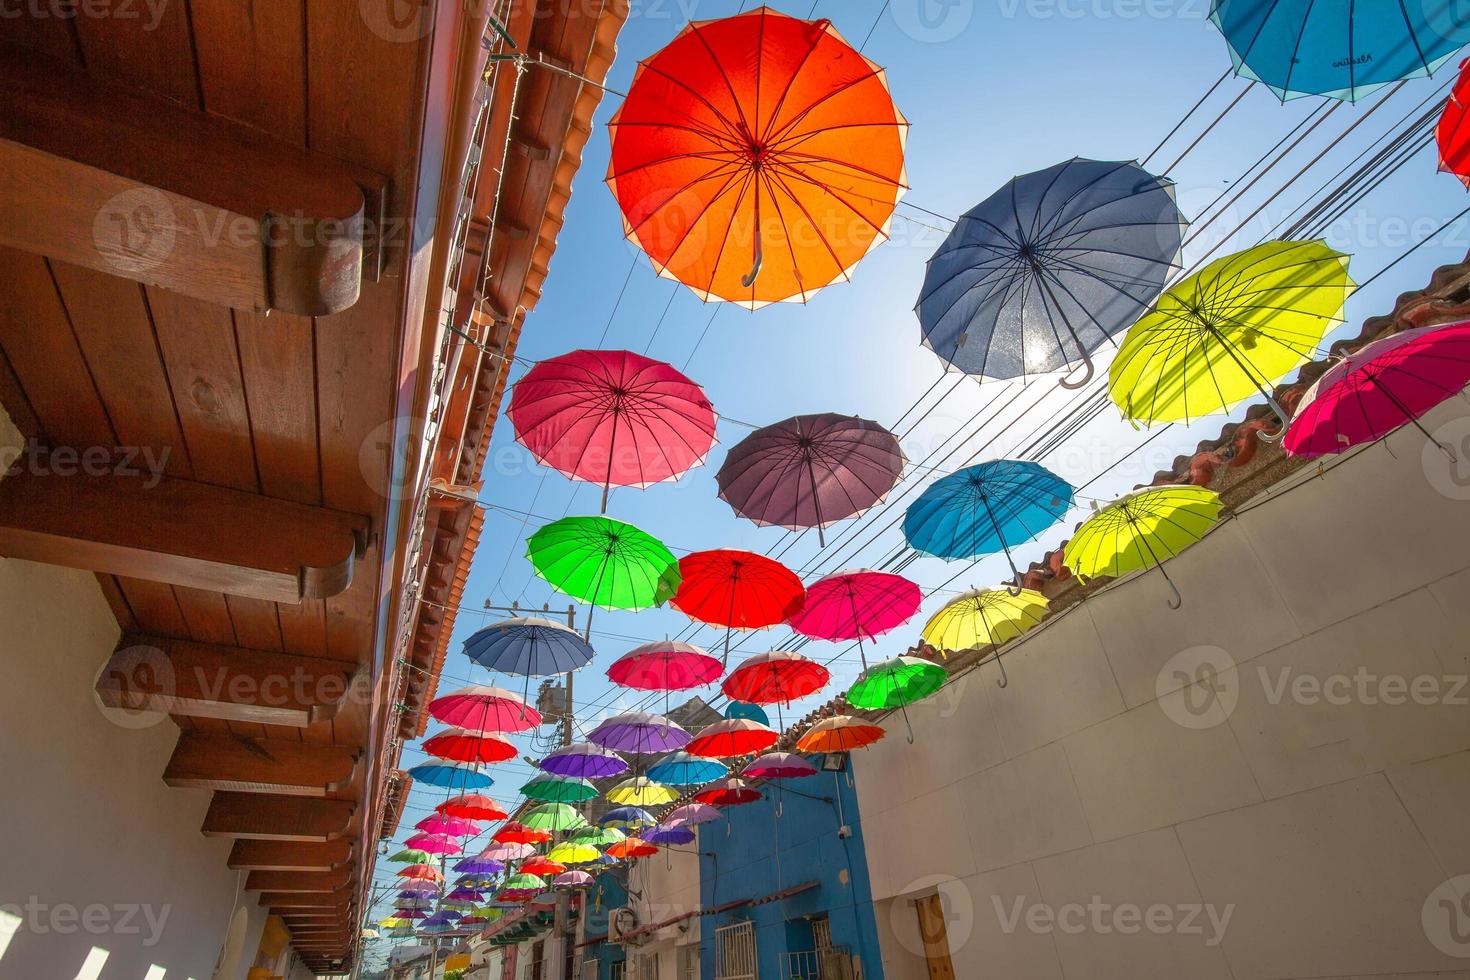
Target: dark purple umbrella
664,836
639,731
464,895
810,471
584,761
478,865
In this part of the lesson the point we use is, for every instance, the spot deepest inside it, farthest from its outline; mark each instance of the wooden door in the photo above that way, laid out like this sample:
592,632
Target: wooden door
935,937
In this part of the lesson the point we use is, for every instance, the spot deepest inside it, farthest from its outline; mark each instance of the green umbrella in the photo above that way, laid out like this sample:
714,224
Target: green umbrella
554,817
896,683
1140,530
604,563
559,789
412,856
598,836
523,882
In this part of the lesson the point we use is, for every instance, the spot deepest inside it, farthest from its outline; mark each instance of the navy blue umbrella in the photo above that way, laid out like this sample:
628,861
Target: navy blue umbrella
1050,267
1343,49
528,646
986,508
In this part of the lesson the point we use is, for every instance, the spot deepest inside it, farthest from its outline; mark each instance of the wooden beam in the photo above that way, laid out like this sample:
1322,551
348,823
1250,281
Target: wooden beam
265,855
226,761
278,818
298,881
306,900
100,175
164,529
208,680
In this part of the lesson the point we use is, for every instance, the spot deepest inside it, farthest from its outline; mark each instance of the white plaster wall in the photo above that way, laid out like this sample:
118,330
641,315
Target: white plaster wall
1322,829
669,885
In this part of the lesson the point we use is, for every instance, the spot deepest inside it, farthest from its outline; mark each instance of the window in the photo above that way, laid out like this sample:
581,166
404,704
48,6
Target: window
689,962
735,952
645,967
822,932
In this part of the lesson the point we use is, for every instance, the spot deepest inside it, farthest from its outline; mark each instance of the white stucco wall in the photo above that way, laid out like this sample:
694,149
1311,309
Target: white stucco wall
1323,823
668,884
104,874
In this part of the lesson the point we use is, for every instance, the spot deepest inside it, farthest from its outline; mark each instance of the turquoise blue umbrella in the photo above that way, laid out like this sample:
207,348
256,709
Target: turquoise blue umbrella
683,769
750,712
450,775
1343,49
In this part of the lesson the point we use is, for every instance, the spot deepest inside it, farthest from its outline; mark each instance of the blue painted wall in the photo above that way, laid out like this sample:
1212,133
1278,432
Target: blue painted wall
752,854
598,904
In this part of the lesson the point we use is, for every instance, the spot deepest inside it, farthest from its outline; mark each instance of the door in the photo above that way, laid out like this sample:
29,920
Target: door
935,937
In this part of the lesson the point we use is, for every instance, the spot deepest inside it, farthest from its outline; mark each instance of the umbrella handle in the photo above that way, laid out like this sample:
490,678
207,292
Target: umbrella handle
1015,590
1074,385
748,279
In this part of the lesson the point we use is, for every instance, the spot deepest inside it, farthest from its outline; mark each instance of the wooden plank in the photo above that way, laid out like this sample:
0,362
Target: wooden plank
181,532
306,900
281,818
314,882
122,182
252,63
34,27
263,855
250,765
278,364
233,683
143,44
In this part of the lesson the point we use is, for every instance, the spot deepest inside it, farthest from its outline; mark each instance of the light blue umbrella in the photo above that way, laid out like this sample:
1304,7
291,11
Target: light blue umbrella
983,509
528,646
1343,49
450,775
748,711
683,769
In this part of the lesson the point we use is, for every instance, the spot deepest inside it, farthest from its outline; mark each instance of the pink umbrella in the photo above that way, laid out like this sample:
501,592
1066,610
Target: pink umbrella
572,879
613,418
480,708
453,826
434,843
666,665
1380,387
692,813
857,604
778,765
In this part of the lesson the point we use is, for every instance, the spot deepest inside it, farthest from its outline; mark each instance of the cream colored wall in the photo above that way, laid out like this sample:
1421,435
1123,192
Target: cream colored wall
105,873
1322,826
669,884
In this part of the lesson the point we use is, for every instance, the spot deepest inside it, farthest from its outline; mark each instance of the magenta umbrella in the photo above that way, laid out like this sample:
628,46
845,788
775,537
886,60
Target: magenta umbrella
778,765
692,813
613,418
480,708
1381,386
810,471
855,605
434,843
452,826
507,852
665,665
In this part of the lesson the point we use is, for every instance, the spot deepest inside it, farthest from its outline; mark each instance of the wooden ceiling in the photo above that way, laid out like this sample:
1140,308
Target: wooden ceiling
306,158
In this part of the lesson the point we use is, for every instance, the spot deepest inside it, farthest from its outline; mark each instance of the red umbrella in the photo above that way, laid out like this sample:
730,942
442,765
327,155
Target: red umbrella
731,792
732,738
613,418
777,677
736,590
422,872
459,745
472,806
541,866
519,833
632,847
1453,133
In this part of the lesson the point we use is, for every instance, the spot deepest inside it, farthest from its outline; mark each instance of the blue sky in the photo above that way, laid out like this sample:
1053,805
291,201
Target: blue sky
992,88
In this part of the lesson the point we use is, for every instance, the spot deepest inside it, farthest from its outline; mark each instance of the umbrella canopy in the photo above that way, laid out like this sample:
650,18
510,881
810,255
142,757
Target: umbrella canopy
665,665
570,852
683,769
633,847
585,760
555,817
691,814
479,865
411,856
542,866
435,843
1141,529
459,745
421,872
604,562
472,806
411,913
984,617
515,832
748,199
987,508
417,894
736,589
450,775
810,471
463,895
613,418
597,836
528,646
639,731
731,792
732,738
569,880
895,683
1229,332
1340,50
1453,132
840,733
667,836
856,604
481,708
523,882
453,826
627,818
641,791
548,788
775,677
503,851
778,765
1046,270
1385,384
741,709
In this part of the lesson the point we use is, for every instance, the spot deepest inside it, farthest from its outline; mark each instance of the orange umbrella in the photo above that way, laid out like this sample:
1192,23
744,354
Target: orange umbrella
840,733
631,848
757,158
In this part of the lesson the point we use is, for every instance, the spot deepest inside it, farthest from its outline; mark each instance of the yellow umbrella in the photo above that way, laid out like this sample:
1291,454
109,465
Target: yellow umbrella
1142,529
984,617
641,791
570,852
